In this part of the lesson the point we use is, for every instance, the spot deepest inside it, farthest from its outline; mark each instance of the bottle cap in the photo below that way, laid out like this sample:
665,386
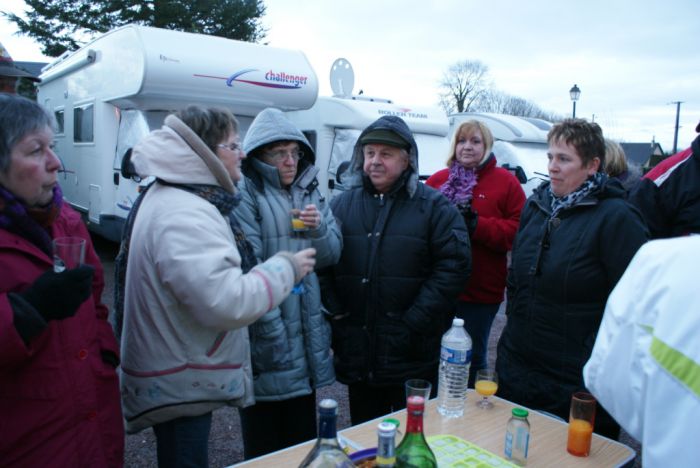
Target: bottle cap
327,406
386,428
520,412
457,322
393,421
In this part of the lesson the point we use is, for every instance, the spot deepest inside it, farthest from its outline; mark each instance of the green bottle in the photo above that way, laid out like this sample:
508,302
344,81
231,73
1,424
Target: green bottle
413,451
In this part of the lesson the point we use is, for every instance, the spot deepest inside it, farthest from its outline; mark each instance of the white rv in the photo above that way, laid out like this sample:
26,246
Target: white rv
113,91
520,144
334,123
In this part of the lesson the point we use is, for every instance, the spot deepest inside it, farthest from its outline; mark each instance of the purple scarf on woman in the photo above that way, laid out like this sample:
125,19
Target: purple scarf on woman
30,223
460,184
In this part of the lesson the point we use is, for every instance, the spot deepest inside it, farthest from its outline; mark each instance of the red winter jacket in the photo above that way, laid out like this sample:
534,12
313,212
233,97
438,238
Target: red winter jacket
59,402
498,198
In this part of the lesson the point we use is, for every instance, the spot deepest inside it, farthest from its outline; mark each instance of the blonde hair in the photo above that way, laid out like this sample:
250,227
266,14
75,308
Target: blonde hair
615,160
467,130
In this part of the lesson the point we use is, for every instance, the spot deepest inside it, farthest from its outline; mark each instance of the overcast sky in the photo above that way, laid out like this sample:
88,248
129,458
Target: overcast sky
631,59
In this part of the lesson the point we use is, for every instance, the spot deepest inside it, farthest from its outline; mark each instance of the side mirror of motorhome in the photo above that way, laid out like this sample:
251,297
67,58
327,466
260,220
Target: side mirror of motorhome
517,171
128,171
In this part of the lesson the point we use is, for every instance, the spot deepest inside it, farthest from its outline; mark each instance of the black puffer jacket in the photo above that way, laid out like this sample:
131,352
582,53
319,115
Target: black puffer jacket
406,256
561,274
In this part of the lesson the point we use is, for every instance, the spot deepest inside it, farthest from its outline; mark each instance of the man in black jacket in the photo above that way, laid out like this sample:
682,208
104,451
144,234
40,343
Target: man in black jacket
406,255
669,195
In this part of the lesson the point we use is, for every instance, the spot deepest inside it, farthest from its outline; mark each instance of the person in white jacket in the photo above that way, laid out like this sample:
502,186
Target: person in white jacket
645,365
185,349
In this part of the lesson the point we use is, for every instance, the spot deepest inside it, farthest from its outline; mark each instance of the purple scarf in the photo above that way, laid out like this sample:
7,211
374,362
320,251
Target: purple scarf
460,184
30,223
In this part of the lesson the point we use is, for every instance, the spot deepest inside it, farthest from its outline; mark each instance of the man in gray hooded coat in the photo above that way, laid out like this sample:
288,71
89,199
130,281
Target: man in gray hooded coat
291,345
406,256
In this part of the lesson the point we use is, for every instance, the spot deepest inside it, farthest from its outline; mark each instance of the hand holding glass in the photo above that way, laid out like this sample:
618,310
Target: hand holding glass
581,420
486,385
68,253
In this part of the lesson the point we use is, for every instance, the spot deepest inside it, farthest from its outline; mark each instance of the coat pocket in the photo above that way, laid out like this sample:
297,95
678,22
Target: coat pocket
270,347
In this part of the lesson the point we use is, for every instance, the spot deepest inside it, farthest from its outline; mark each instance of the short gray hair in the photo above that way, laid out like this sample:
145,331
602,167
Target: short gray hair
19,116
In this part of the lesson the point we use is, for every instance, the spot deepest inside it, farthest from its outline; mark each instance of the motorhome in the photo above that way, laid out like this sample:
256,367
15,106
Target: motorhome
117,88
335,122
520,144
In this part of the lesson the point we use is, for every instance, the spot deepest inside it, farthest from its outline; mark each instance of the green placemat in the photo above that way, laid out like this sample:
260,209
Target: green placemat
452,451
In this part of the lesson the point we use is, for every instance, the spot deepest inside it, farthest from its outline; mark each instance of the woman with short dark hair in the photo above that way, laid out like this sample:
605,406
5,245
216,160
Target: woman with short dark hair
577,235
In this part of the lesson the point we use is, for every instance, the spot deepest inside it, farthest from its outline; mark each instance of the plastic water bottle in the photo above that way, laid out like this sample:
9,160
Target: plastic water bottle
455,359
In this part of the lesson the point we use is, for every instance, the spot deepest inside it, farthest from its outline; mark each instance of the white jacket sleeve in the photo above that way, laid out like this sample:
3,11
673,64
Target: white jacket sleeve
645,365
201,265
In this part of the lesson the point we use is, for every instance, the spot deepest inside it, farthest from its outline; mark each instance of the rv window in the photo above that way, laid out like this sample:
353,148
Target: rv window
59,115
311,136
432,153
134,125
82,124
343,144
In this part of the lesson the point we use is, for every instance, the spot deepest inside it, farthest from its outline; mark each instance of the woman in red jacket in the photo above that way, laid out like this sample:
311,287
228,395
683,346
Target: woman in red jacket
59,392
490,199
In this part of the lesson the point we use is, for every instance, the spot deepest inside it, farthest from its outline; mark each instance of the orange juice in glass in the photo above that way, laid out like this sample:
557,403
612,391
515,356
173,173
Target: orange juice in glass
486,384
580,435
581,420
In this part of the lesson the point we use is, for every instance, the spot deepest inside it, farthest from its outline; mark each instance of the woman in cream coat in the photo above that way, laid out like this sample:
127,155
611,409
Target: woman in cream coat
187,302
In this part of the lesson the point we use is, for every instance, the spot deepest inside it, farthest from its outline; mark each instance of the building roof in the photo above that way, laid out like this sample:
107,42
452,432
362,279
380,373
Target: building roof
32,67
639,153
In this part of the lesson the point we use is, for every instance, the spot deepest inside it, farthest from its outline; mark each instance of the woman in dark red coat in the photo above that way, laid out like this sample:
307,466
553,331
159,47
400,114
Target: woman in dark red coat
490,199
59,392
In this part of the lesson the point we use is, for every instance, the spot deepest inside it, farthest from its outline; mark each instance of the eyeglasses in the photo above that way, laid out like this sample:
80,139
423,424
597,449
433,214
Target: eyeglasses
233,146
278,156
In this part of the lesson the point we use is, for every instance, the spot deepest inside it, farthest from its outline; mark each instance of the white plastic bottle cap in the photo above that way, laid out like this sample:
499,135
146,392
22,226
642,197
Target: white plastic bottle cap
458,322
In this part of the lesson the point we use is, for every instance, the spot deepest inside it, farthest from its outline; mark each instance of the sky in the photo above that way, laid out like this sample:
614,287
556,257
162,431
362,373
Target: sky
631,59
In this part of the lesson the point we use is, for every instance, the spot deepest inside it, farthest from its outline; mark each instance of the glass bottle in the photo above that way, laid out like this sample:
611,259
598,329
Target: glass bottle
327,451
517,437
413,451
386,451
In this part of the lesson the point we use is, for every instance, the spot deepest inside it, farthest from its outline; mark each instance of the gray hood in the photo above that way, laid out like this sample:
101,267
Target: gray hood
272,125
355,175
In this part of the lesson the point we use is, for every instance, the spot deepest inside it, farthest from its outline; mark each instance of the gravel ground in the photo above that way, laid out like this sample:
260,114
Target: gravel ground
225,443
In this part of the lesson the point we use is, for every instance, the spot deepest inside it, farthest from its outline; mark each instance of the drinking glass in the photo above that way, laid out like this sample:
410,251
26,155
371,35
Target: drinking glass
418,387
581,420
299,238
486,385
68,253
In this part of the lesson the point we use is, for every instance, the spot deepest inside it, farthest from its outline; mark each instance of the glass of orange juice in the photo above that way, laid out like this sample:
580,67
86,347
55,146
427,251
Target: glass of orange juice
486,385
581,420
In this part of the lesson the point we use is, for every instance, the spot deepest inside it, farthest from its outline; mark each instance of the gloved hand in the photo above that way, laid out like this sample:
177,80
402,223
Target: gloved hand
471,217
58,295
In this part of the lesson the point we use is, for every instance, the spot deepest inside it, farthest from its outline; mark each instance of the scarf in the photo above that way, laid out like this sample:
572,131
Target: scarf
558,204
574,198
30,223
459,185
222,199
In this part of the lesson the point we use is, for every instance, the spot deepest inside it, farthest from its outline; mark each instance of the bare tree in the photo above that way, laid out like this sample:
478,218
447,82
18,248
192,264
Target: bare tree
503,103
463,84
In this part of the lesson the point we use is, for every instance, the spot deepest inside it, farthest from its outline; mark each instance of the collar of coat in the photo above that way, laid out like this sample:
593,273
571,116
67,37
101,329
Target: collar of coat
212,161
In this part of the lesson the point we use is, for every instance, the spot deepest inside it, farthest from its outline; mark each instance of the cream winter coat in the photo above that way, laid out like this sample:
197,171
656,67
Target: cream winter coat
185,349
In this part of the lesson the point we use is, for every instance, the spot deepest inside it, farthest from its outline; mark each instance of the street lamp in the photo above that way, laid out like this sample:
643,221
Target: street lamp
574,93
